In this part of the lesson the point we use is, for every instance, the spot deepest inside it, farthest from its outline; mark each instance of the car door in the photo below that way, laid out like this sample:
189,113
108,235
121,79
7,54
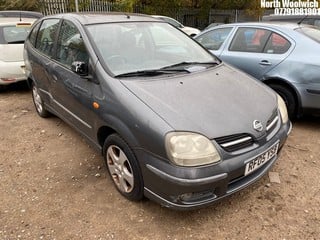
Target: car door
42,38
215,40
73,94
256,50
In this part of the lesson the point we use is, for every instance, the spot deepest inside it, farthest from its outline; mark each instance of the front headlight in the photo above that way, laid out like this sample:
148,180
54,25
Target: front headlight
190,149
283,109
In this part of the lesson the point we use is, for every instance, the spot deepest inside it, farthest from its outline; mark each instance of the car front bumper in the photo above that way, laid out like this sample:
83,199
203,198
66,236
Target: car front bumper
184,188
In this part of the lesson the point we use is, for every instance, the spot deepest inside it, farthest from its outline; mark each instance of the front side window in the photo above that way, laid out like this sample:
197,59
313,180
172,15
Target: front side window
141,46
70,46
46,36
213,40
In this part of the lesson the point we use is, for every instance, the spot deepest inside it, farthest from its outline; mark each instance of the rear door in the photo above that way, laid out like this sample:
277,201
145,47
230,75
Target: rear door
41,40
256,50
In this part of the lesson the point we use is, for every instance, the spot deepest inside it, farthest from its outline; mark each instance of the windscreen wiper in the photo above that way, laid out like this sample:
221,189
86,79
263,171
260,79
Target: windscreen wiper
16,42
183,65
152,72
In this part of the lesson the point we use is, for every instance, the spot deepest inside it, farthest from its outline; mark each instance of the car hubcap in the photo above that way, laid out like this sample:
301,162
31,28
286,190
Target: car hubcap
120,169
37,99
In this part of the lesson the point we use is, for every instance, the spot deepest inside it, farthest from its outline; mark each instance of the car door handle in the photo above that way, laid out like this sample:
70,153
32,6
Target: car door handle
265,63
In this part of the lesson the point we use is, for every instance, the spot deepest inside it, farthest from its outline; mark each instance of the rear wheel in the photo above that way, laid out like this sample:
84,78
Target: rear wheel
288,98
123,167
38,102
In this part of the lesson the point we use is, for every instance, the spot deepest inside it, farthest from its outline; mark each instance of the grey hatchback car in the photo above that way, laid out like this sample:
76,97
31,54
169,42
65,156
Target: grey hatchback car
285,56
173,123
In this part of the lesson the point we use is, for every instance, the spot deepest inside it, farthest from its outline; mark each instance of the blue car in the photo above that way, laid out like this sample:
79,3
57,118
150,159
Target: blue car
284,56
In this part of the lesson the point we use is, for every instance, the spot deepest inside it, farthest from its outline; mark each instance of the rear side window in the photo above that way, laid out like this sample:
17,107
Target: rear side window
277,44
46,36
249,40
33,34
213,40
258,40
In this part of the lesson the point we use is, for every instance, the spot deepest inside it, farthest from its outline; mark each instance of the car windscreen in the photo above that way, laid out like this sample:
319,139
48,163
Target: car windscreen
142,46
311,32
14,34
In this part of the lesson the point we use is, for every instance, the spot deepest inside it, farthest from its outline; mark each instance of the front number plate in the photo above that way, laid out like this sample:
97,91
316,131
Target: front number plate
262,159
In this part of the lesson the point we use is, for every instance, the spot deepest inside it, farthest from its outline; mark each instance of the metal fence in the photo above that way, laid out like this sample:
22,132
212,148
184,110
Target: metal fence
187,16
49,7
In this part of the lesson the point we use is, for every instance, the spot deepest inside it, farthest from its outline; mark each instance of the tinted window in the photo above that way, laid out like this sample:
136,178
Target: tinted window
277,44
214,39
70,47
33,34
250,40
46,36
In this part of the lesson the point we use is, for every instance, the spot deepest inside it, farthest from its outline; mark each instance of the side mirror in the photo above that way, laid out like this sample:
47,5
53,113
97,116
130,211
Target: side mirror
80,68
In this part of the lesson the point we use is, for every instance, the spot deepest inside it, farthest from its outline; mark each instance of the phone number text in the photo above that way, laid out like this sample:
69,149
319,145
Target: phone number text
297,11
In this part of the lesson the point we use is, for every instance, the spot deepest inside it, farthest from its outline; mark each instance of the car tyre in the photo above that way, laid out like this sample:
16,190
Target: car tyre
38,102
288,98
123,167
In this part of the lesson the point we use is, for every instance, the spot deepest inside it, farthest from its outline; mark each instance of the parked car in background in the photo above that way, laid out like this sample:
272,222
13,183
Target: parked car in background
20,14
173,122
299,19
188,30
214,24
285,56
13,33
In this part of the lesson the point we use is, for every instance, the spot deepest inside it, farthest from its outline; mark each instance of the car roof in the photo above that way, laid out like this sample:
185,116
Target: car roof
87,18
22,14
274,17
277,25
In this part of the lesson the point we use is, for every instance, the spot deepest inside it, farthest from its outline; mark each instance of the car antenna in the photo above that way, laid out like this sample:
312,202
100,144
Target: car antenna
302,19
20,16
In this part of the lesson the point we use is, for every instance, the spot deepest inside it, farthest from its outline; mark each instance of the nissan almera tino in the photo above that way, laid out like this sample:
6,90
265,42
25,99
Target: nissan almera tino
174,123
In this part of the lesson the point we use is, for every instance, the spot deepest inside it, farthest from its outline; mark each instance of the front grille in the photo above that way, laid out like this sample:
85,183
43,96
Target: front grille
235,142
272,125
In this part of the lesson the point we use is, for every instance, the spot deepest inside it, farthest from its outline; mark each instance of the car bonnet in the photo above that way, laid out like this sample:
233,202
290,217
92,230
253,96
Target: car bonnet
216,102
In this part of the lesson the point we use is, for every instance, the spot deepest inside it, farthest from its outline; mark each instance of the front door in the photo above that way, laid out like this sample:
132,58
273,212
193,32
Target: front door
73,94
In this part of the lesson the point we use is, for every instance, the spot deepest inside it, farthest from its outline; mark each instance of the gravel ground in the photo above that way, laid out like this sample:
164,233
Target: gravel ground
54,186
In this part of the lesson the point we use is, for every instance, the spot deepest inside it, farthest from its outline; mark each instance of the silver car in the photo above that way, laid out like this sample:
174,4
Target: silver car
285,56
173,123
13,32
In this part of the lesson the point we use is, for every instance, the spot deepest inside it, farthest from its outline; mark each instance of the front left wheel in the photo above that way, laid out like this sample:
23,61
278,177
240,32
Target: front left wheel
123,167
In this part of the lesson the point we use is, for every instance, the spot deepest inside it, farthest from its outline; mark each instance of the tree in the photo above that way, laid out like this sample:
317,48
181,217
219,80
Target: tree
28,5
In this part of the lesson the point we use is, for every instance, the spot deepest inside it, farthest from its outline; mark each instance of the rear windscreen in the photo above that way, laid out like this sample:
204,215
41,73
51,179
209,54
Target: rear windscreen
311,32
13,34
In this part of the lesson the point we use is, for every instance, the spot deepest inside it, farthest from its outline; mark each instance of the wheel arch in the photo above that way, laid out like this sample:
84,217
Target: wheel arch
119,128
290,87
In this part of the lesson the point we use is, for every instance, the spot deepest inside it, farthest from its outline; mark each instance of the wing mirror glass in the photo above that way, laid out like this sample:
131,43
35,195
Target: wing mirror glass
80,68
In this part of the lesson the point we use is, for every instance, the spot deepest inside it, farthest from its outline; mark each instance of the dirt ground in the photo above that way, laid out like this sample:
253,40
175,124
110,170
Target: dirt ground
54,186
